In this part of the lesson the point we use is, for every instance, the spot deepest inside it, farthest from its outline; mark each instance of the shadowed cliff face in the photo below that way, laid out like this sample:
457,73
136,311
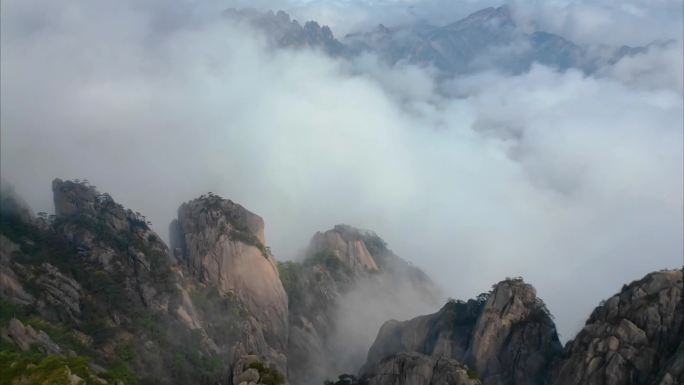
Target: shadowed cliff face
634,337
506,337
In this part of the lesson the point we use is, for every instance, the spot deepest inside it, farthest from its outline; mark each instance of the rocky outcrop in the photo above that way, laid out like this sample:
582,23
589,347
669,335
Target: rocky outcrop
116,242
11,287
96,281
506,336
223,245
346,271
345,243
57,291
101,283
26,337
419,369
446,333
634,337
514,339
285,32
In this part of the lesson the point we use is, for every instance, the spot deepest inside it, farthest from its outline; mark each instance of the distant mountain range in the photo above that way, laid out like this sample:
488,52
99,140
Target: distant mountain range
488,39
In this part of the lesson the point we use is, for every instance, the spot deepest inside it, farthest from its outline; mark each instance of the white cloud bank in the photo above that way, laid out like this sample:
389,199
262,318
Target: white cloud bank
573,182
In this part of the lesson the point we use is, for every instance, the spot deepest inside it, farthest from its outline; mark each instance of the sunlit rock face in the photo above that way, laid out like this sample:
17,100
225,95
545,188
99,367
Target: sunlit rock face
224,246
634,337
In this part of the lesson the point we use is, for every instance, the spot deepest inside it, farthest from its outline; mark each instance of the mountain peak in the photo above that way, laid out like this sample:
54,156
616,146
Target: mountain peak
636,334
489,17
346,243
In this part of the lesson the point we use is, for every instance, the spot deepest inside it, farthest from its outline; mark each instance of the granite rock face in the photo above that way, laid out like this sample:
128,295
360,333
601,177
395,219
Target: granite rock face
514,338
419,369
506,336
98,278
26,337
224,246
346,244
58,291
347,273
634,337
95,280
118,240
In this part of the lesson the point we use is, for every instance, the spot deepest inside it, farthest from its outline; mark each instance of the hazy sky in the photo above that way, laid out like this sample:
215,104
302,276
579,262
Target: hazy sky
573,182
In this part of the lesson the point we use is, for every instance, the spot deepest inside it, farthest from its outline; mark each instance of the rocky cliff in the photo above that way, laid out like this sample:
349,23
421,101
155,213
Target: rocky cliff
634,337
92,295
94,290
506,336
330,328
224,246
419,369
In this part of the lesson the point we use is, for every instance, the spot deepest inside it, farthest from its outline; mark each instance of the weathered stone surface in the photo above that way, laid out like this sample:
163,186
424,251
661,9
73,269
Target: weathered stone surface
249,375
507,337
635,337
673,370
11,288
346,243
419,369
26,337
58,291
224,246
106,233
346,274
514,339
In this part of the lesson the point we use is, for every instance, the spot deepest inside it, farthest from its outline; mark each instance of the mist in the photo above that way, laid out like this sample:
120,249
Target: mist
572,181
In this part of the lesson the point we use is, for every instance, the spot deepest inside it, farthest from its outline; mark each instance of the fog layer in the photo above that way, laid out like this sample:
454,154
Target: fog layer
573,182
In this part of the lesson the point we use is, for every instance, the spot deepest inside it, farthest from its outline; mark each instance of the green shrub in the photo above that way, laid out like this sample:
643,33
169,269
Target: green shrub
330,261
268,376
10,310
35,368
472,374
125,352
